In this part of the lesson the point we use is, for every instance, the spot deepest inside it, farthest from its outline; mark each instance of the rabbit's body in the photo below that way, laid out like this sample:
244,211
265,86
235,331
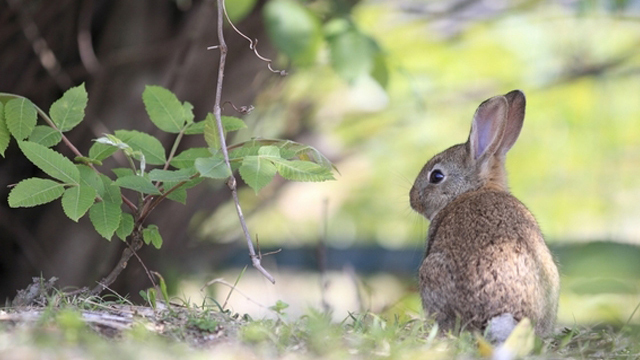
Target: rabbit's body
485,256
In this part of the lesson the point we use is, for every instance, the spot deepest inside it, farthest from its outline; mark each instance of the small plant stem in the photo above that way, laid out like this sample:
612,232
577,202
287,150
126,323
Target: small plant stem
231,182
127,253
174,148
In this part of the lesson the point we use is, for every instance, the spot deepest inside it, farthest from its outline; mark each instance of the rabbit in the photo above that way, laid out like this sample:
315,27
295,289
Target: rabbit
486,262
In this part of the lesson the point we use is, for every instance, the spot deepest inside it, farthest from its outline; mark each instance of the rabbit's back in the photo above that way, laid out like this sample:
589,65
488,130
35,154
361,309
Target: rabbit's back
486,257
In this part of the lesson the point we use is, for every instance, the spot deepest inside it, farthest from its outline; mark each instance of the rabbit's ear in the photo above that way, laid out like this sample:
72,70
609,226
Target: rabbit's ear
487,128
515,118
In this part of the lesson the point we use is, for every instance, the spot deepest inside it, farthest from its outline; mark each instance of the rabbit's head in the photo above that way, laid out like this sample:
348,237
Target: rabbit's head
475,164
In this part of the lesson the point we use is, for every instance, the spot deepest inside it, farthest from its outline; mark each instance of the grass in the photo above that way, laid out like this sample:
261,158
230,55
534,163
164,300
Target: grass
58,326
109,328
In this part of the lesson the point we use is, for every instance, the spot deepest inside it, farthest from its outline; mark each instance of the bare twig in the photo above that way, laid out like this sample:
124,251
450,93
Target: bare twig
231,182
253,44
136,244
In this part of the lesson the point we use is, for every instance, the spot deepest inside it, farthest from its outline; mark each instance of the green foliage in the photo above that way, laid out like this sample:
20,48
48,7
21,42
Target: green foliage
45,136
164,109
151,235
68,111
294,30
84,188
76,200
34,191
20,117
137,183
105,217
51,162
125,228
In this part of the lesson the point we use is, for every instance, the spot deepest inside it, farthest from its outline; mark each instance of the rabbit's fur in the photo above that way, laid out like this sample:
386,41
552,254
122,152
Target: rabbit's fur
485,255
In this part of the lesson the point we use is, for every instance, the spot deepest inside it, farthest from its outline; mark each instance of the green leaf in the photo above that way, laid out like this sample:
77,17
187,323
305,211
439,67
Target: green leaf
211,132
353,54
150,146
111,190
195,128
293,29
212,167
34,191
51,162
188,157
231,123
89,177
68,111
151,235
100,151
120,172
126,226
105,217
257,172
138,183
45,135
298,170
178,195
5,135
187,109
20,117
76,200
171,175
164,109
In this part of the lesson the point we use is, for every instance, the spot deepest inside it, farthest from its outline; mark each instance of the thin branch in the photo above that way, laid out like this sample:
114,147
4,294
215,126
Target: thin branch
231,182
253,44
127,253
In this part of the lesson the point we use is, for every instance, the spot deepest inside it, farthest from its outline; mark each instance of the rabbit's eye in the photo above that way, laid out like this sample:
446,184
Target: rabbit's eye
436,176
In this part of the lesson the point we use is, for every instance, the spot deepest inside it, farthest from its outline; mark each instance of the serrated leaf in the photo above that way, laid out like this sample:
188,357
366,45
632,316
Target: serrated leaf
231,123
187,109
5,135
164,109
45,136
211,132
188,157
68,111
126,226
76,200
212,167
298,170
112,191
120,172
138,183
195,128
151,235
51,162
150,146
34,191
257,172
178,195
171,175
269,151
20,117
293,29
100,151
88,177
105,217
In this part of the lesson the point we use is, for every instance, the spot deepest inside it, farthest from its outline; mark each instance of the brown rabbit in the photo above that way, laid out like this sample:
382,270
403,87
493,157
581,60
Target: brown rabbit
486,261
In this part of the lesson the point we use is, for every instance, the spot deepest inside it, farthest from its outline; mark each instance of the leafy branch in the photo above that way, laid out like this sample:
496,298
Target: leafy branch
152,175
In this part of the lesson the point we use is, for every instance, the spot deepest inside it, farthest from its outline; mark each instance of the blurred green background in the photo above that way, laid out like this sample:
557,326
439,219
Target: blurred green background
379,86
383,110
